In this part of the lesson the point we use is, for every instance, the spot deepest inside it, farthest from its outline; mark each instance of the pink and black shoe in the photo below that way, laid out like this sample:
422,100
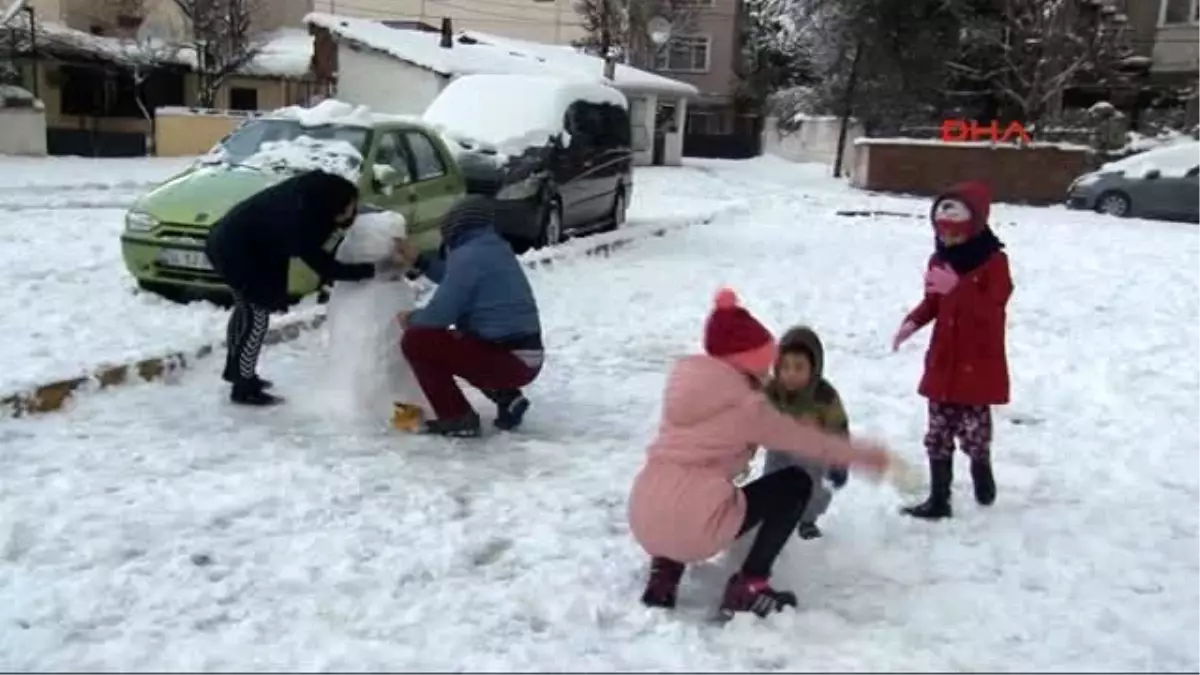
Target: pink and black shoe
750,594
663,586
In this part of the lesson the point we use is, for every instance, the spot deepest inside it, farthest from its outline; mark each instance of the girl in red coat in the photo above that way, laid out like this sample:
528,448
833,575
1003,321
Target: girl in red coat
967,286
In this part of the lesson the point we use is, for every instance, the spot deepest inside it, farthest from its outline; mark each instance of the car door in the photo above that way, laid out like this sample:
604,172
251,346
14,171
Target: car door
390,181
1185,199
1167,195
435,186
571,168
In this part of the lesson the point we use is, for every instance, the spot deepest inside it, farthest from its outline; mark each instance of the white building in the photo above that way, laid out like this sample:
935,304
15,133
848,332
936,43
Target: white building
400,70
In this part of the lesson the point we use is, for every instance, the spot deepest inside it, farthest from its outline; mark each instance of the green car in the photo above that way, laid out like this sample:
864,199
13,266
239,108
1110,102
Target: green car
411,172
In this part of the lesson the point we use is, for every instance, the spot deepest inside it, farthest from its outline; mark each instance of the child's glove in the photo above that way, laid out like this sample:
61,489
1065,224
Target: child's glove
838,477
940,280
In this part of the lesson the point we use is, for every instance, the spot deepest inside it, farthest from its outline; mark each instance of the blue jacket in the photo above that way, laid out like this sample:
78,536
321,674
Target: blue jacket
482,290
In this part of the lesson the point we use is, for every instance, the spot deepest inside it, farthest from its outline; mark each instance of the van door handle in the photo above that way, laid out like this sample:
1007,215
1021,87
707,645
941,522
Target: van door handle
412,196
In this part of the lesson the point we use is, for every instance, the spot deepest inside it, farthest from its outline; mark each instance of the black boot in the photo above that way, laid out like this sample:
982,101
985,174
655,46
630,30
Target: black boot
663,585
985,482
251,393
941,475
809,531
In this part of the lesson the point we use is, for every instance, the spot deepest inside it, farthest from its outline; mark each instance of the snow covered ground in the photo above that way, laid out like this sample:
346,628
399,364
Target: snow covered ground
156,527
60,251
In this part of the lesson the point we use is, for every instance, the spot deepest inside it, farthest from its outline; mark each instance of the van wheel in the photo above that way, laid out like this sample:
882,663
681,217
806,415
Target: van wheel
616,219
552,225
1114,203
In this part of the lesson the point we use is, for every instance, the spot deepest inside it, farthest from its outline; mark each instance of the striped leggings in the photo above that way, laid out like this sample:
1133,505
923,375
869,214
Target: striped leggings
244,339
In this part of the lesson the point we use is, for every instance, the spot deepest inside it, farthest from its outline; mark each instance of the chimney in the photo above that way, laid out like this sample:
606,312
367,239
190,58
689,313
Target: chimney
447,33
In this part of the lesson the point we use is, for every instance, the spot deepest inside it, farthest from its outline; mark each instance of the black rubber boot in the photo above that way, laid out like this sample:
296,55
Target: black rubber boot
251,393
985,482
941,475
663,585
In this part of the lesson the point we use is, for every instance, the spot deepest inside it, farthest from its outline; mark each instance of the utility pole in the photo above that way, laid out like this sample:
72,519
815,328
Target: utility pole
847,108
610,66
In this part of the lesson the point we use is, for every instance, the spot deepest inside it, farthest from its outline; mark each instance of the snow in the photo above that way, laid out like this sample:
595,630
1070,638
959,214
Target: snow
512,123
285,53
1172,160
475,53
305,153
329,111
365,371
154,527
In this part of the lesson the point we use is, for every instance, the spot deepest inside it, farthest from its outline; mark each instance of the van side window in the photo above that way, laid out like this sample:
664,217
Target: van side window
389,151
580,125
426,159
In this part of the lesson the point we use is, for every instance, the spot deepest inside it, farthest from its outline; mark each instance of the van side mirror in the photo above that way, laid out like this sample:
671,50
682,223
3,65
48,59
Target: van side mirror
1153,174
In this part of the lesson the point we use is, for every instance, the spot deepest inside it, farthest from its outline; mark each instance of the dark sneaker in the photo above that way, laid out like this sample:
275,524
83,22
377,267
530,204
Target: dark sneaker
511,406
252,395
466,426
261,383
746,594
809,531
933,508
663,585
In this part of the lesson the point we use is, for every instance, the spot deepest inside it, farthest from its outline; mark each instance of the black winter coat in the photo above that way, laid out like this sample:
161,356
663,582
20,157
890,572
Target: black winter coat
253,244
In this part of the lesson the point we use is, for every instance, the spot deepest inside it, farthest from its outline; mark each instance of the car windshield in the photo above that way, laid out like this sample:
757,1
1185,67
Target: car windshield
249,138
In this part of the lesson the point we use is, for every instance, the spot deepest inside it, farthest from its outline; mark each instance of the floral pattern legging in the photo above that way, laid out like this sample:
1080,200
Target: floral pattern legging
971,425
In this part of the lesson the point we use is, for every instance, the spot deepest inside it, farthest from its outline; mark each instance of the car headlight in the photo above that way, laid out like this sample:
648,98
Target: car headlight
1084,181
140,221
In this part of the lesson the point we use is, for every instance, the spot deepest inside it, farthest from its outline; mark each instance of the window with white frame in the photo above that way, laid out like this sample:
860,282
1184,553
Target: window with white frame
684,54
1176,12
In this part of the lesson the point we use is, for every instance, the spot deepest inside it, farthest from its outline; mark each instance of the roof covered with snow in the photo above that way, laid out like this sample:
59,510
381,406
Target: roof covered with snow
482,53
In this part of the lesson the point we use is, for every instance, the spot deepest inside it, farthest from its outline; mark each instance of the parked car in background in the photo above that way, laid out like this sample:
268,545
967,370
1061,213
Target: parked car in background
409,171
1160,183
557,153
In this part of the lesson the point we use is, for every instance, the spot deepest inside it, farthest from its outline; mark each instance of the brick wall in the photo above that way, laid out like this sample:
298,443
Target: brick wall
1039,174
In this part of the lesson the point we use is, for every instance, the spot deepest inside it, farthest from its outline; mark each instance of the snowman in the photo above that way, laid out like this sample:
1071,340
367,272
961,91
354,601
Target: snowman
367,375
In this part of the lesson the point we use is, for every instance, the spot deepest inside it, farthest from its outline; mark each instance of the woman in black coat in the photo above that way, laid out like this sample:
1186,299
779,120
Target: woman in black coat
251,247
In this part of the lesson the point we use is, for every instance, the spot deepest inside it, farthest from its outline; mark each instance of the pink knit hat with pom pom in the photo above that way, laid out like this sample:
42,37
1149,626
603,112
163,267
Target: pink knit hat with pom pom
734,336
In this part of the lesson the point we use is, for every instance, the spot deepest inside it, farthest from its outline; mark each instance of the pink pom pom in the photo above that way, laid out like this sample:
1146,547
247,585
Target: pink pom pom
726,298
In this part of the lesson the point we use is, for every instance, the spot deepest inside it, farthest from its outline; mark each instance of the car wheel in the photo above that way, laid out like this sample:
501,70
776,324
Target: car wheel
616,219
552,225
1114,203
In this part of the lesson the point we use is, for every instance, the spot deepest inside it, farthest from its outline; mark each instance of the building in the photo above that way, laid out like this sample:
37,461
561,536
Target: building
100,88
544,21
1166,38
399,70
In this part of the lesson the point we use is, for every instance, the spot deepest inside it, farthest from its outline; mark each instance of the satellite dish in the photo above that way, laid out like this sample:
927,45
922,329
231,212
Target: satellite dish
659,30
11,12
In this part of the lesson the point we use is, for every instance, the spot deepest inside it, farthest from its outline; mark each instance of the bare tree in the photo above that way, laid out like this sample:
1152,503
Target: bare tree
156,45
223,38
623,26
1031,51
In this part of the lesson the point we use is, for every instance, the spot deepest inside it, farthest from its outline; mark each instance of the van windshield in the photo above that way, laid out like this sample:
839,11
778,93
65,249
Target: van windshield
249,138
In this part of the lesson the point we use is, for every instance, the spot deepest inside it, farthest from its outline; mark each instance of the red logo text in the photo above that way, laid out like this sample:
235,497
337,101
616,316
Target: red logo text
970,130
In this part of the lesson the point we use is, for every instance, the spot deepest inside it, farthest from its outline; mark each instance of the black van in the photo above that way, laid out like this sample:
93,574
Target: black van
575,185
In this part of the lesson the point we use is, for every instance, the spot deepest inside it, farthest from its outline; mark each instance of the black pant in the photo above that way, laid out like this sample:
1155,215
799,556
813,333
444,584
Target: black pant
776,501
244,340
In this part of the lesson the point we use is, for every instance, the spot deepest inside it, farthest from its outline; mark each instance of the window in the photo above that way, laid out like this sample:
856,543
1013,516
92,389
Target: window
707,123
243,98
684,54
426,158
1176,12
390,152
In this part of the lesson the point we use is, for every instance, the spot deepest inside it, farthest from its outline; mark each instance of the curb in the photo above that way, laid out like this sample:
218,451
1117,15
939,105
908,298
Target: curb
54,396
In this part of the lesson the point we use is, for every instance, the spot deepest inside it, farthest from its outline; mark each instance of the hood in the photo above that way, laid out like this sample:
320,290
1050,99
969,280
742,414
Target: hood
976,195
202,196
803,336
324,195
702,386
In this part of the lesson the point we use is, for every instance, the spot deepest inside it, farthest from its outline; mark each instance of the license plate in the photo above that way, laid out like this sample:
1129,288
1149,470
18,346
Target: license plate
178,257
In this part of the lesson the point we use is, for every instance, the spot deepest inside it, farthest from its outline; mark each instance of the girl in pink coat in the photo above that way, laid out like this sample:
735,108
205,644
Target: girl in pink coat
684,506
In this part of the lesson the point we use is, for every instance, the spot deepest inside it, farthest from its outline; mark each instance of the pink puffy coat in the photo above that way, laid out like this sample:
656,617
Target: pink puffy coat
684,505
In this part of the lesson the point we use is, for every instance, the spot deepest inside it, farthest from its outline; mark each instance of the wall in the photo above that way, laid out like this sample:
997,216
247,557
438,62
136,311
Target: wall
1176,48
720,23
673,142
1039,174
184,132
553,21
22,131
641,123
384,84
814,141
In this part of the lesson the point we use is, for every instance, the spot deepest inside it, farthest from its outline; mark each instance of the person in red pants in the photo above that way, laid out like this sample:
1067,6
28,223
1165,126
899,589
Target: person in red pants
481,324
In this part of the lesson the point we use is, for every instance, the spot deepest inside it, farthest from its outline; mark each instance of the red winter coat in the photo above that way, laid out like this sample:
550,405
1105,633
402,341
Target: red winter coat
967,362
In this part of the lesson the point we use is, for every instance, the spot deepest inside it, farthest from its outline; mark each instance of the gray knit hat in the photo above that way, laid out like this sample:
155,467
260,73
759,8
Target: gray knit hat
473,212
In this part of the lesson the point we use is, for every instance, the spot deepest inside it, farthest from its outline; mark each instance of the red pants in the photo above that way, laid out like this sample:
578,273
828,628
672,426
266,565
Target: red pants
437,355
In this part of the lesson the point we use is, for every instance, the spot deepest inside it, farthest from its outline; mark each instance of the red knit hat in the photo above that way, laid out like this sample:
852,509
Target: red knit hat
734,336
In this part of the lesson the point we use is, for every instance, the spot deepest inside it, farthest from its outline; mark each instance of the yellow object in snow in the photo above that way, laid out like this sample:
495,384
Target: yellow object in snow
407,417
